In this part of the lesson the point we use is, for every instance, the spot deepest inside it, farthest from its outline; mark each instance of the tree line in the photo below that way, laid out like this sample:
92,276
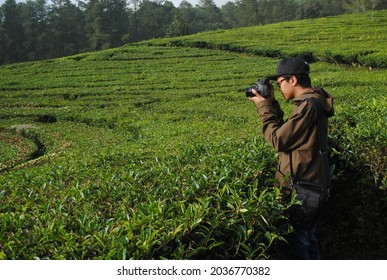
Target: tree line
36,29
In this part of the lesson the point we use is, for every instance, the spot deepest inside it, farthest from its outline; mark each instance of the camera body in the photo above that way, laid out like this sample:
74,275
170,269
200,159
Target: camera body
263,87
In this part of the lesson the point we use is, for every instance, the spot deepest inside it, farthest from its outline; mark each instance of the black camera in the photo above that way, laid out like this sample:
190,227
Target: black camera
263,87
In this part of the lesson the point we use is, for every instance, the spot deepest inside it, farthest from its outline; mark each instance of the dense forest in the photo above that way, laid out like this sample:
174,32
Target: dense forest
38,29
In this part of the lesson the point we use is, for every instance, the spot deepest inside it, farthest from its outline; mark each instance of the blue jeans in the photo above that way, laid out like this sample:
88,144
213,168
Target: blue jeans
303,244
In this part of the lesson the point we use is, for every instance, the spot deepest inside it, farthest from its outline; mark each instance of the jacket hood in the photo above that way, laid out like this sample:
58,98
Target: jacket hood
325,98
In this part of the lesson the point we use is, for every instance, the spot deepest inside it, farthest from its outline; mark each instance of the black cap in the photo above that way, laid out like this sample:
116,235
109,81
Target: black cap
290,66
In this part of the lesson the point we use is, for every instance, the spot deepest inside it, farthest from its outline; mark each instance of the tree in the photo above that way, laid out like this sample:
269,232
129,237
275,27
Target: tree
66,26
154,19
12,33
107,23
360,5
209,15
278,10
178,27
189,14
310,9
118,22
331,7
248,11
135,5
229,15
94,21
34,16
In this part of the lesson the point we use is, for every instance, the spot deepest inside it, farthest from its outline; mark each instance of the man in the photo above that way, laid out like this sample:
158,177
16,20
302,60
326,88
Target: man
297,139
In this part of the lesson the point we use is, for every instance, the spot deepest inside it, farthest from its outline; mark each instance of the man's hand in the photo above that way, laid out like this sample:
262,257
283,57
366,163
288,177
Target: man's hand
257,98
271,97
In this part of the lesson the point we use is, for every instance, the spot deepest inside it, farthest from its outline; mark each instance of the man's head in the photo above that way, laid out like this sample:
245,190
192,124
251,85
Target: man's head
292,76
291,66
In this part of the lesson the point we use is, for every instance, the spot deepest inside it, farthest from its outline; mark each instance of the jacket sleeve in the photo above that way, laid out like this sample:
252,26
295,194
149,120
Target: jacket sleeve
284,136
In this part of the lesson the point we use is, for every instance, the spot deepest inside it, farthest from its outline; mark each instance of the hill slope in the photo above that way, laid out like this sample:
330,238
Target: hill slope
351,39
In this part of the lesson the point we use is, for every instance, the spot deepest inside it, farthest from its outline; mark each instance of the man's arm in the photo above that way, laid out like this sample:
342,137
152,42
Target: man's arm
287,135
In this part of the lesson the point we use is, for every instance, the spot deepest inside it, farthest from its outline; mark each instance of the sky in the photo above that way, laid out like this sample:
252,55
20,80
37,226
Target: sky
176,3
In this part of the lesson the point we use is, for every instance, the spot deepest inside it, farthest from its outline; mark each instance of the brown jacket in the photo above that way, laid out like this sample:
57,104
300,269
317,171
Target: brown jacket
297,136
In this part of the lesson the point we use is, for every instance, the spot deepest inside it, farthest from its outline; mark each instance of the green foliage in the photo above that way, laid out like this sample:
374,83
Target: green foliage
199,204
369,158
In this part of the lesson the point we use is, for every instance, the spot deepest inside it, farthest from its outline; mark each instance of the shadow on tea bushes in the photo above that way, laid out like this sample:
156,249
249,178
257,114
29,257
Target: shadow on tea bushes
354,225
